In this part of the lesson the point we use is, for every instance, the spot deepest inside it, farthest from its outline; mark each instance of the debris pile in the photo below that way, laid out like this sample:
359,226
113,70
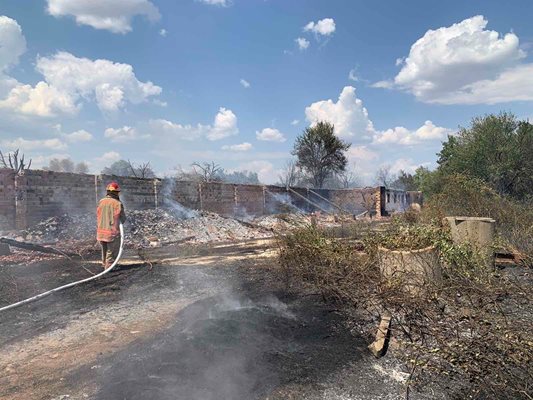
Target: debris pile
144,227
162,226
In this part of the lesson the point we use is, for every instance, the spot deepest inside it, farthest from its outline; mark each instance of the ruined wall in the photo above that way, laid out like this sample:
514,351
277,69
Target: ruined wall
36,195
7,199
400,200
42,194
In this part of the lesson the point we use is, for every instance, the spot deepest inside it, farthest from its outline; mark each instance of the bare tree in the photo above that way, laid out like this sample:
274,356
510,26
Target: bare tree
209,172
143,170
290,175
348,178
14,162
384,176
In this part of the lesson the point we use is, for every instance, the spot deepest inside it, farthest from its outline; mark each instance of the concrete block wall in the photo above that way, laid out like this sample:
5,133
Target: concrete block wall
7,199
42,194
36,195
356,201
137,193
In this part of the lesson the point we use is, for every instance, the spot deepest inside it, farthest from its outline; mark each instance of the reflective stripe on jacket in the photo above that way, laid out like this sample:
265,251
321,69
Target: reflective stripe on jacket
109,214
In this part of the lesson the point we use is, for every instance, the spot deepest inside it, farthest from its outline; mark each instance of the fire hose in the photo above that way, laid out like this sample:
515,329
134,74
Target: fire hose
69,285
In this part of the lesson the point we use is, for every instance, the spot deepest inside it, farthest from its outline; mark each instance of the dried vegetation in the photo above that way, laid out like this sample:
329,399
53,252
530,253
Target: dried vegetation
469,331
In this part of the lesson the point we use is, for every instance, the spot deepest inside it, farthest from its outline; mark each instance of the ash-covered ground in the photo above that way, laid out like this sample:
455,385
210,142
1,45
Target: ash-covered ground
214,322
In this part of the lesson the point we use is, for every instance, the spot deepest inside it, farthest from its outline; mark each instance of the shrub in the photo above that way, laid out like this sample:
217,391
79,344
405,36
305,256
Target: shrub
473,327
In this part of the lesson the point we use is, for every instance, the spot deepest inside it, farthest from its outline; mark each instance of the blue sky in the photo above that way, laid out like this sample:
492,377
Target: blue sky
173,82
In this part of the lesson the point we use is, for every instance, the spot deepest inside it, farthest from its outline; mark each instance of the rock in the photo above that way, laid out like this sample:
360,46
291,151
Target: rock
4,249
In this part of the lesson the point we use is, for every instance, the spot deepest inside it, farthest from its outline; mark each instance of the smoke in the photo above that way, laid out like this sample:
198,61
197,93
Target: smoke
168,201
282,202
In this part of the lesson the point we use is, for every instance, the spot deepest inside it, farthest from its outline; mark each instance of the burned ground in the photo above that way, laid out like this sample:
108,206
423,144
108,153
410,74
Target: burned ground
211,322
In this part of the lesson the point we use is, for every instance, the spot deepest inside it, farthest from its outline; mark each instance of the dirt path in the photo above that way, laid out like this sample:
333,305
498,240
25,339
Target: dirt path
212,323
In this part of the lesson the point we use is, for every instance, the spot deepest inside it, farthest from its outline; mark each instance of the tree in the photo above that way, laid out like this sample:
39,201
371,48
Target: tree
81,168
14,162
60,165
118,168
239,177
66,165
320,153
143,170
290,175
348,178
496,149
404,181
384,176
208,172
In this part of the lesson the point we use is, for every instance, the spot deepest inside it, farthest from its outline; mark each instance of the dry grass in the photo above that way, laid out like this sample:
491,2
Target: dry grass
473,327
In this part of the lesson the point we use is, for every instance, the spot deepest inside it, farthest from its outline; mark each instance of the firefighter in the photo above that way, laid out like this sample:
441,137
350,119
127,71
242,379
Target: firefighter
109,214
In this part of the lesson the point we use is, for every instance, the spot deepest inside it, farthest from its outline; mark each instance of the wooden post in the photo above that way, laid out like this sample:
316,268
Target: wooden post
96,190
264,200
155,194
200,195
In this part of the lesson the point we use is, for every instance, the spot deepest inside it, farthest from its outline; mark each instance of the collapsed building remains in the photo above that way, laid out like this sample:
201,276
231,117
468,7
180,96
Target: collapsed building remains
35,195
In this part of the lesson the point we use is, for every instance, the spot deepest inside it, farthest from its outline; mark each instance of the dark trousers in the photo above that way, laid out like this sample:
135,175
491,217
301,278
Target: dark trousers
110,251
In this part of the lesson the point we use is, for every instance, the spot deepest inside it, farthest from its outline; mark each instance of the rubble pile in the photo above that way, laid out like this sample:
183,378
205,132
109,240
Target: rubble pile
149,226
61,228
145,227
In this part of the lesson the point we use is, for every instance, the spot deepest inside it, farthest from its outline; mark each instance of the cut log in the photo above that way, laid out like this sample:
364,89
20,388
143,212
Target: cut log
381,344
35,247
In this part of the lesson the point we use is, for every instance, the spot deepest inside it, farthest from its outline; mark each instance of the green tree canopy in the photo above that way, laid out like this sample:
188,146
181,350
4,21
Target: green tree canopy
320,153
498,149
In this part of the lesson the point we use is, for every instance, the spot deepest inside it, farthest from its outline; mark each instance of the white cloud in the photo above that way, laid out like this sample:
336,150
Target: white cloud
323,27
12,42
121,135
225,125
163,32
43,100
405,164
108,158
111,84
465,64
348,115
112,15
69,79
220,3
401,135
352,75
361,154
26,145
40,160
270,135
245,83
295,122
302,43
78,136
163,127
352,122
238,147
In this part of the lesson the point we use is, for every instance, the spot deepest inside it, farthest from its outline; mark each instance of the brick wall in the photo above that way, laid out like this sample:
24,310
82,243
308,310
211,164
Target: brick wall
7,199
37,195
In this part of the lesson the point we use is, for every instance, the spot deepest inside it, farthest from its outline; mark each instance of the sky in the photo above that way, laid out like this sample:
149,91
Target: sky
172,82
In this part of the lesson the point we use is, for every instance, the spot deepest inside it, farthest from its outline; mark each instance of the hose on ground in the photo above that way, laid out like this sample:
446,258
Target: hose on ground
69,285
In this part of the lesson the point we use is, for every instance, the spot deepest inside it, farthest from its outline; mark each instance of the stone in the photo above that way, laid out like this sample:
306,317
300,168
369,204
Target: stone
4,249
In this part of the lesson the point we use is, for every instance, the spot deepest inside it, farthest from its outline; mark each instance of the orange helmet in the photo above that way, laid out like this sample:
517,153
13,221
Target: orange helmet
113,187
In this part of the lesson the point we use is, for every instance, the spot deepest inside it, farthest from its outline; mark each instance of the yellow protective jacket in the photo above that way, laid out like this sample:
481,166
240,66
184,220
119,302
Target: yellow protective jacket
109,214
